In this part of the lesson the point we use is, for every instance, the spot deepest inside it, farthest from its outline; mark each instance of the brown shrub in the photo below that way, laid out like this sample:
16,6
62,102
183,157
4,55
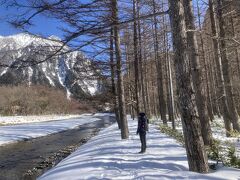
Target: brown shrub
24,100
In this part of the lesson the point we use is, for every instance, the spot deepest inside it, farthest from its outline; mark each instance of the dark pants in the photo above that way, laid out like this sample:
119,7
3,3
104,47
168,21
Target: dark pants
143,141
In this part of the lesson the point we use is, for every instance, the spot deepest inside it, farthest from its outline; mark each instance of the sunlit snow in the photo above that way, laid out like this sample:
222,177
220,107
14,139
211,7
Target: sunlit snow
106,156
13,133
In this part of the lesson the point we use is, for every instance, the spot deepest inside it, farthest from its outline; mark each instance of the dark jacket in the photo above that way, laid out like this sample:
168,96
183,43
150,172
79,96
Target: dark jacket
142,124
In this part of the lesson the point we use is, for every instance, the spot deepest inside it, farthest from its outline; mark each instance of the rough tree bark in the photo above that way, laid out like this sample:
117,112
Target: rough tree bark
121,99
196,155
114,92
209,98
193,54
226,67
162,101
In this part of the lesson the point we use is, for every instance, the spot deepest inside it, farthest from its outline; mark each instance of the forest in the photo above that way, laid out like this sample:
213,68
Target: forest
172,59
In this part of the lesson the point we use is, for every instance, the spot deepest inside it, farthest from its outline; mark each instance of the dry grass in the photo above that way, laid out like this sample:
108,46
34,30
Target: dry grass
21,100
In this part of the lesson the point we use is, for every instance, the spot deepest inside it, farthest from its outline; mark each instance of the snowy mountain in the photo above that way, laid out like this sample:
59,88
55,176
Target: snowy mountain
22,54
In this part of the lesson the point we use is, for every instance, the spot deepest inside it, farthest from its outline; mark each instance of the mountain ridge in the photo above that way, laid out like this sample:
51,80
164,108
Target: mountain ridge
62,70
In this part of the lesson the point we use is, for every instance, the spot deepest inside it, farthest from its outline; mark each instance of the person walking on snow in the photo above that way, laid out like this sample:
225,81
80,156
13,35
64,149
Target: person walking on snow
142,129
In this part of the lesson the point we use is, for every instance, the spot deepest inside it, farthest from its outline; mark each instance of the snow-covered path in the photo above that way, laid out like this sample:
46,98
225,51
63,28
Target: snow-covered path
13,133
106,156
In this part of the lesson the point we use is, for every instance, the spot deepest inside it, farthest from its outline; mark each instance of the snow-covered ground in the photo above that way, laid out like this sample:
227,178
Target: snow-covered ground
13,133
10,120
218,132
106,156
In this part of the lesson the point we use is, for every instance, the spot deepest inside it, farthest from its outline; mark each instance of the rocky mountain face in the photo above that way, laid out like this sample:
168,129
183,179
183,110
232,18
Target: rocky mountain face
22,61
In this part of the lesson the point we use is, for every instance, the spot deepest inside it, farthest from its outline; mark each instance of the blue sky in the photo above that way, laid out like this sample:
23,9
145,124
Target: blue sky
42,24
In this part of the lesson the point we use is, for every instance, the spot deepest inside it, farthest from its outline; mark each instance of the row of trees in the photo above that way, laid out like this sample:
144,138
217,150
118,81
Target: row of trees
160,60
186,67
180,36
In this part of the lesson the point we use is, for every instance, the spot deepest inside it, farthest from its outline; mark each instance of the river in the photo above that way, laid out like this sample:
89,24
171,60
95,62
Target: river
26,160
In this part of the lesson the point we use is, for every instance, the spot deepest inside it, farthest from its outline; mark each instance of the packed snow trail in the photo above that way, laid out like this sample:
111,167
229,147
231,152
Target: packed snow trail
106,156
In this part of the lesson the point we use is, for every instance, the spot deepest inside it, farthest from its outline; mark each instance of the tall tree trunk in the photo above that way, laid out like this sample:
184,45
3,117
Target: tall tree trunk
129,75
121,99
169,80
136,61
196,72
141,58
162,101
148,108
213,87
237,60
167,89
116,109
196,155
148,111
217,55
171,96
226,67
154,107
209,98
